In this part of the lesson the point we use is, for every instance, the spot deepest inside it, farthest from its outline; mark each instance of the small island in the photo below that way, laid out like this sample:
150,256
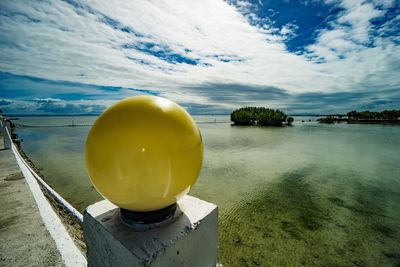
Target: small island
260,116
370,117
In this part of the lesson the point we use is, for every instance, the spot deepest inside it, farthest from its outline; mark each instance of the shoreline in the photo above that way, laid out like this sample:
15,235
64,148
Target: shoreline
72,225
351,121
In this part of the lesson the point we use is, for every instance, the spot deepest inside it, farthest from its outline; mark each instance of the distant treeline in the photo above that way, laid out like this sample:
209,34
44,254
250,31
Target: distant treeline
259,116
372,115
386,116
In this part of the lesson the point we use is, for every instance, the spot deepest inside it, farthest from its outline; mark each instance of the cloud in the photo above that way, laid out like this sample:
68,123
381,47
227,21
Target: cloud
288,31
58,106
212,53
206,109
23,86
4,102
233,95
353,32
39,106
78,43
328,103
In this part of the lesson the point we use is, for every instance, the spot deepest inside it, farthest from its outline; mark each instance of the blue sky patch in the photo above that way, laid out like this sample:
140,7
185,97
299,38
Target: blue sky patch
307,16
162,52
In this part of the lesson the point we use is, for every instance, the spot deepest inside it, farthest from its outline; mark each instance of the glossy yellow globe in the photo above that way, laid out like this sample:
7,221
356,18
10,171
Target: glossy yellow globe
143,153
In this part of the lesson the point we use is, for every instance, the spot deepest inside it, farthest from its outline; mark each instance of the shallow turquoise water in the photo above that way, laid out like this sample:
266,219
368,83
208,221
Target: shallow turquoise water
311,194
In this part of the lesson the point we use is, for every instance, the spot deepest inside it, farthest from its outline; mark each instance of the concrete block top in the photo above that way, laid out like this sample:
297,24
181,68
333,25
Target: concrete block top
149,243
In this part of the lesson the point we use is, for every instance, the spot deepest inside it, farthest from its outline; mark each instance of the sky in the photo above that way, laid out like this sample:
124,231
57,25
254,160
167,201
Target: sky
210,56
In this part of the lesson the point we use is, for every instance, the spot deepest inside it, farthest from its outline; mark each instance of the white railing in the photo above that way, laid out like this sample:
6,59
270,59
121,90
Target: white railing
70,254
68,207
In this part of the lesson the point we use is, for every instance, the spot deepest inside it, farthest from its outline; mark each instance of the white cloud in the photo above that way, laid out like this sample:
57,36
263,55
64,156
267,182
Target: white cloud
288,31
354,52
54,106
359,15
85,43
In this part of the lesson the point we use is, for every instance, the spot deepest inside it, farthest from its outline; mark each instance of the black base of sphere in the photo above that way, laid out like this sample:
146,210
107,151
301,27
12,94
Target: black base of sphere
156,216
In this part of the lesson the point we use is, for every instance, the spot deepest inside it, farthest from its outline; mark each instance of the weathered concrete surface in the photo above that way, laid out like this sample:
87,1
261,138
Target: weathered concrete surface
190,240
24,240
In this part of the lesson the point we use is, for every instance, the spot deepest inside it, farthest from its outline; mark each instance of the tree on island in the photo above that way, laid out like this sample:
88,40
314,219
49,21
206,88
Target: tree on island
259,116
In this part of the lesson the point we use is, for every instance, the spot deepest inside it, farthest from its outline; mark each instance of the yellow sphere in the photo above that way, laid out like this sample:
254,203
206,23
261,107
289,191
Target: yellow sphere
143,153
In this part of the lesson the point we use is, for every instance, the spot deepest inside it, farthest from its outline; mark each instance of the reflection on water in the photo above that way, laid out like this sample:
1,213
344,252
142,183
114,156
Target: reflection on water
310,194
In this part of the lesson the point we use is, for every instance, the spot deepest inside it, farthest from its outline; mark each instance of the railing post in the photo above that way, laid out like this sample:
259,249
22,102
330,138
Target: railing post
6,137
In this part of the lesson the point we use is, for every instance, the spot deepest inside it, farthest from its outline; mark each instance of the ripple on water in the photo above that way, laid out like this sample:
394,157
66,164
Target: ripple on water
296,221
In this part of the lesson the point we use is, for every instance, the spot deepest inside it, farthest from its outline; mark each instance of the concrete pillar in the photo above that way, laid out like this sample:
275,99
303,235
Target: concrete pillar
188,238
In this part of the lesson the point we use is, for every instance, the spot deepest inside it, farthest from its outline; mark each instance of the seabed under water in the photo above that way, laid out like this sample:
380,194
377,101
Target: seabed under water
308,219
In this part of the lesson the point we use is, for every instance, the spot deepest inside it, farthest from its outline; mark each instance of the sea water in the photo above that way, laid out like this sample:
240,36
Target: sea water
311,194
